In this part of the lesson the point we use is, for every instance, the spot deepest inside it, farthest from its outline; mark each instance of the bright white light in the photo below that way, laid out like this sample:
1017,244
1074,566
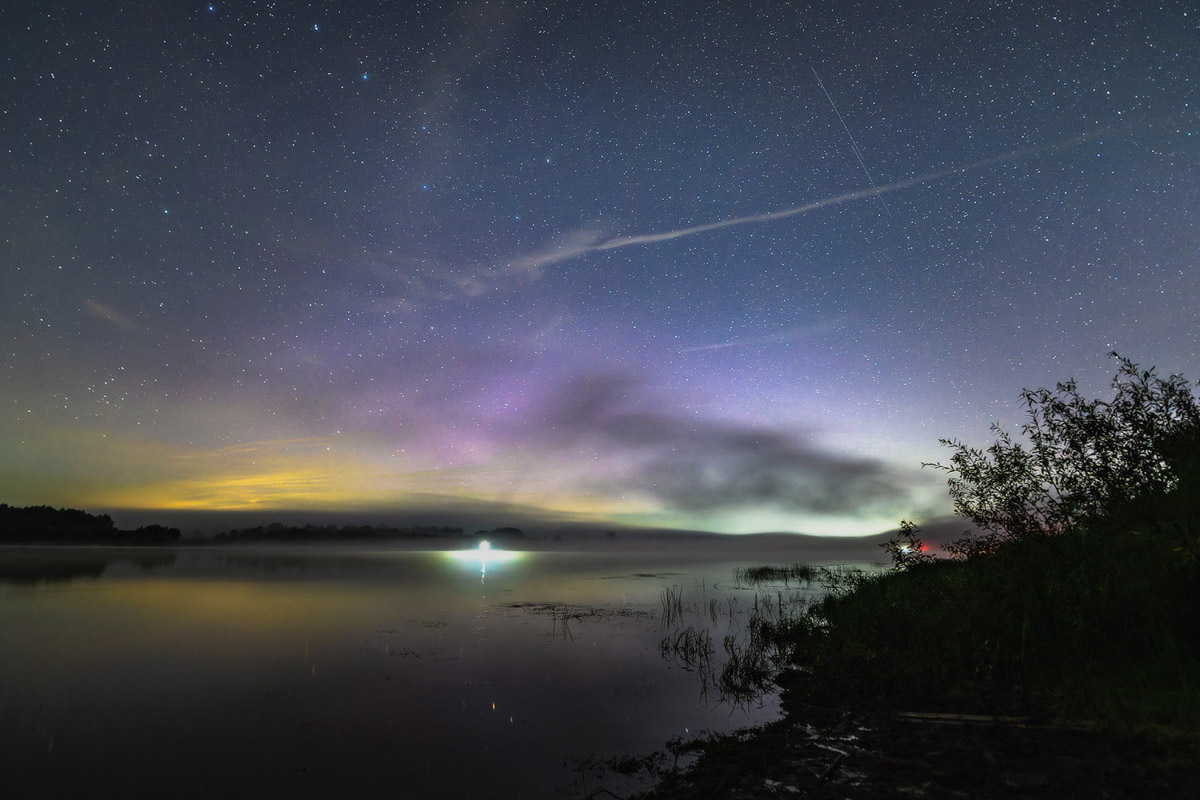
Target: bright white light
483,554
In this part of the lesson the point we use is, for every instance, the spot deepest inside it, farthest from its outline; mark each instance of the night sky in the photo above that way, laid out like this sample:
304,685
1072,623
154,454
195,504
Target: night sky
732,267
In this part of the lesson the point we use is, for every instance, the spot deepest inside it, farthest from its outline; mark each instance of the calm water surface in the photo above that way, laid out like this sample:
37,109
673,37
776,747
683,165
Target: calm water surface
321,673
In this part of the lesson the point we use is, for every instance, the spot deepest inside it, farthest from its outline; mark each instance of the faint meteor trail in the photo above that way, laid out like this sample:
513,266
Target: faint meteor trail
790,334
589,241
853,144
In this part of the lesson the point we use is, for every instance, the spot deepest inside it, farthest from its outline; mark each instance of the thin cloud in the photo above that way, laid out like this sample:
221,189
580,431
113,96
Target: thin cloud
578,244
443,283
568,246
109,314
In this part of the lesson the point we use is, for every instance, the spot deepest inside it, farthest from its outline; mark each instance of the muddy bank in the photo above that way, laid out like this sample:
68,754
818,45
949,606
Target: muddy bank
821,752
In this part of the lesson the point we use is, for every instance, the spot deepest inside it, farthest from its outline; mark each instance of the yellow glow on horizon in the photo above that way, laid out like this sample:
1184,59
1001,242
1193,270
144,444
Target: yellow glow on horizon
95,469
314,475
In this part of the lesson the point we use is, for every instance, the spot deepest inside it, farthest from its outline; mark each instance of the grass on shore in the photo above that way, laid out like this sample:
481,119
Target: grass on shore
1078,601
1103,628
1100,630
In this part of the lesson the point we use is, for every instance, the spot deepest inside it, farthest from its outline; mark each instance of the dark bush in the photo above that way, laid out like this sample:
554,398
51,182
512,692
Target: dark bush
1080,597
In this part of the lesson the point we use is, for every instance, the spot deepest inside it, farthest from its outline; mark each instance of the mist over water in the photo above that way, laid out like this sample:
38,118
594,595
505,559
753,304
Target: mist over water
318,671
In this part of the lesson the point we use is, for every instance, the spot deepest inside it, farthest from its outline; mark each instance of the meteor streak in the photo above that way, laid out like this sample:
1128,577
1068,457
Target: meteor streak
853,144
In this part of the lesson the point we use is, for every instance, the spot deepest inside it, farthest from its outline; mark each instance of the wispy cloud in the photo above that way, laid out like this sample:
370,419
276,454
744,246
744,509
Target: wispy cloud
585,241
401,282
569,245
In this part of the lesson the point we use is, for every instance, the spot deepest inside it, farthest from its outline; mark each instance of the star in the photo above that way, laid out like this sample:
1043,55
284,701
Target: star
759,260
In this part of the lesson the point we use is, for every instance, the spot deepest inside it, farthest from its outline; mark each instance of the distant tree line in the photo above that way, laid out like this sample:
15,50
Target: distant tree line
278,532
48,525
501,533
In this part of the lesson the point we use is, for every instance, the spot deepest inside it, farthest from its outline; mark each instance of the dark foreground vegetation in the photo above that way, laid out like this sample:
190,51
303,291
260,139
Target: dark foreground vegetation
47,525
803,573
1054,653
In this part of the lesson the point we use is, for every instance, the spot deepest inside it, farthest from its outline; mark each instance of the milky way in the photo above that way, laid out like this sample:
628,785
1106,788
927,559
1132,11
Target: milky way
611,262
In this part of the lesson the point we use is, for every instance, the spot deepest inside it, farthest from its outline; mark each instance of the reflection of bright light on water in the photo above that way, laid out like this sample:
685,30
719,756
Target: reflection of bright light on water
483,556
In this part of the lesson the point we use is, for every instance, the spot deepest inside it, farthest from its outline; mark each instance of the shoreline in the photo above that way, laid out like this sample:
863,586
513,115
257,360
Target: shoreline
823,751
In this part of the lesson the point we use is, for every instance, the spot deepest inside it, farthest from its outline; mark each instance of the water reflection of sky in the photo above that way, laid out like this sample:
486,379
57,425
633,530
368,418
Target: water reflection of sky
329,672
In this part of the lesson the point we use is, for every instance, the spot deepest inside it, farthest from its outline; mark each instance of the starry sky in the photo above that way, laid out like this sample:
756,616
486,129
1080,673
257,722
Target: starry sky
723,266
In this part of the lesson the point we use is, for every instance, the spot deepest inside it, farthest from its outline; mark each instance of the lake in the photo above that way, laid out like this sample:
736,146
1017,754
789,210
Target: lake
320,672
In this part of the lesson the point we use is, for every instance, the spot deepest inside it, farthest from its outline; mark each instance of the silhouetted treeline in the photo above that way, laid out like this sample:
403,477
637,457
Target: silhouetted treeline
48,525
502,533
278,532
